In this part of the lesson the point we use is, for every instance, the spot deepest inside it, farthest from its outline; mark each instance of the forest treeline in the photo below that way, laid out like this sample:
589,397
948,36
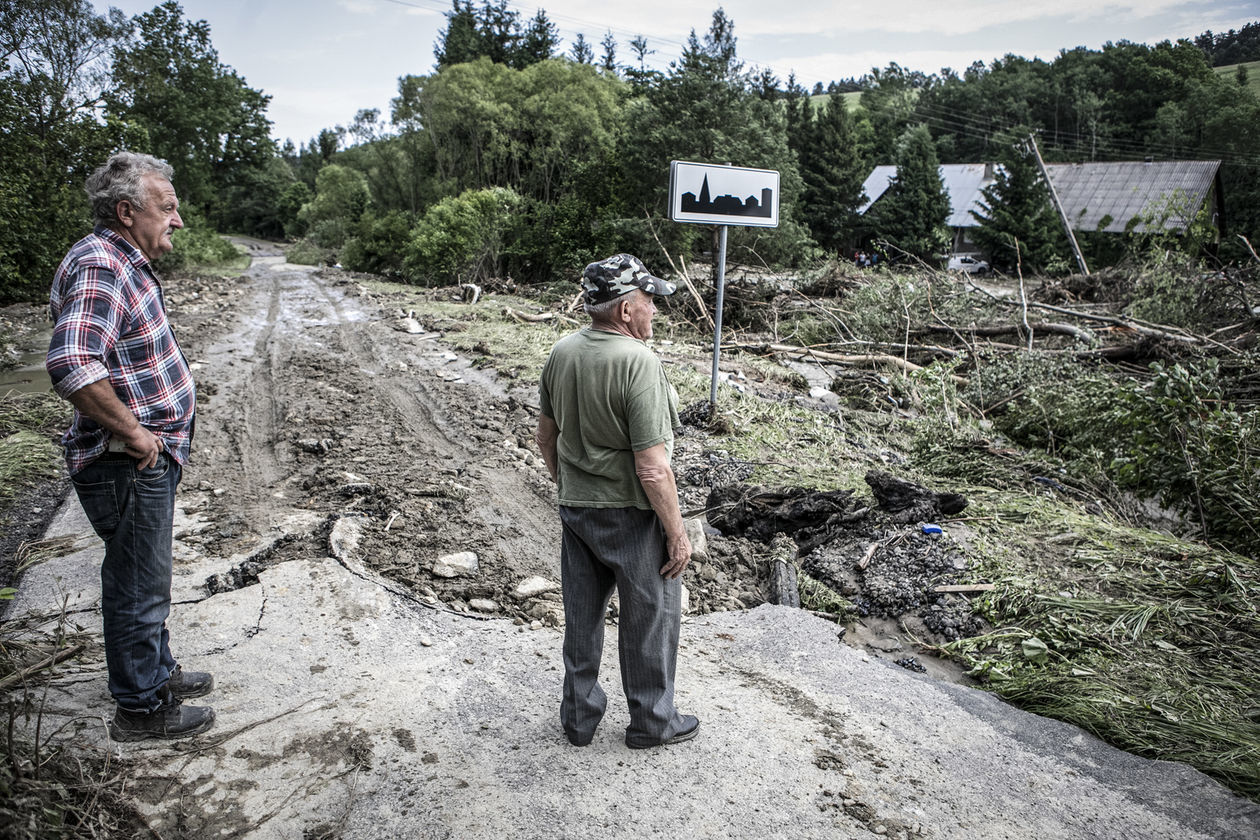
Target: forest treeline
516,156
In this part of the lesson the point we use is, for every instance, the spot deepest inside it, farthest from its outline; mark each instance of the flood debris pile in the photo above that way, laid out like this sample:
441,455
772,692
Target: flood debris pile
848,556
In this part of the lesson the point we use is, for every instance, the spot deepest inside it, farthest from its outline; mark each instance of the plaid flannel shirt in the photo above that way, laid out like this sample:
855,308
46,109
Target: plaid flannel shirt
110,323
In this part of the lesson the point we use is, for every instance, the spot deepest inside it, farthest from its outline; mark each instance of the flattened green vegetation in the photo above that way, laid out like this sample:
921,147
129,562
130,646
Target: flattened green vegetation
516,348
28,450
1143,639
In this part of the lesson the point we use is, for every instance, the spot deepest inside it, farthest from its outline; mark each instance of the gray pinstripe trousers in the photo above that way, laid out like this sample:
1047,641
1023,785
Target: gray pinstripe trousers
623,547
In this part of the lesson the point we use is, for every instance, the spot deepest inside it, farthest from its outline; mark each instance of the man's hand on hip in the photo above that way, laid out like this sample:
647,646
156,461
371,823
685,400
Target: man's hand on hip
145,447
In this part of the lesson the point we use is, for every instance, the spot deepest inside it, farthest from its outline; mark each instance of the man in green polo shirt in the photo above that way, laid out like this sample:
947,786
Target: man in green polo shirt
606,433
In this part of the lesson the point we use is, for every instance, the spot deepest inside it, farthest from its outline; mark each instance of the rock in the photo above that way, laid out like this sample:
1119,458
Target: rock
533,587
353,485
345,536
686,598
699,540
886,645
483,605
314,446
459,564
426,641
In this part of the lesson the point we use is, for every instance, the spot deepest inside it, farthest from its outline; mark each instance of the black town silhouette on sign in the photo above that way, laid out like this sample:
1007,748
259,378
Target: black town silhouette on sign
728,205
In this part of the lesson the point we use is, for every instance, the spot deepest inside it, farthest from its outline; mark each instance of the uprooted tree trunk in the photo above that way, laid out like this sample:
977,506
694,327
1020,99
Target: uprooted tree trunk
783,588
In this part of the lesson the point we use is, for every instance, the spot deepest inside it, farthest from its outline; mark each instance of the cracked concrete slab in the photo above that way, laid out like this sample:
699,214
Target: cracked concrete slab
348,708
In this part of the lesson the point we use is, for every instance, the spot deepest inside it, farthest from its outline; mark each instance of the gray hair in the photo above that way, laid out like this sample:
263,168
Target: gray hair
603,312
121,178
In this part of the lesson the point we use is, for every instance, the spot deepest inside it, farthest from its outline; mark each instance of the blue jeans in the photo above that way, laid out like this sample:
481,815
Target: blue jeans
132,510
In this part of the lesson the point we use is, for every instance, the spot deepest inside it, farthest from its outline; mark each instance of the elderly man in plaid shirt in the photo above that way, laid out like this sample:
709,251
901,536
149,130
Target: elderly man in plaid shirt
114,357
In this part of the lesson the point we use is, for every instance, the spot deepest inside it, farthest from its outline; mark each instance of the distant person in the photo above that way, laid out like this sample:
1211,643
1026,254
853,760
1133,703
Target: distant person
114,357
606,434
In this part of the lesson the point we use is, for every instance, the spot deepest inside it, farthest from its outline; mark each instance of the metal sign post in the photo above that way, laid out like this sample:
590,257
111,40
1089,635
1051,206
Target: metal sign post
709,194
717,316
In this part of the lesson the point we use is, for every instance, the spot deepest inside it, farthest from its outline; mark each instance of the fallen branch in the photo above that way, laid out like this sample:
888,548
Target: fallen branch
526,318
836,358
47,662
987,330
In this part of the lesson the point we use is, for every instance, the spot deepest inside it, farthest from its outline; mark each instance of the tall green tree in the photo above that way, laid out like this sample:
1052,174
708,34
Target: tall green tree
194,111
53,78
911,216
833,171
704,110
539,42
1018,223
608,59
582,52
889,102
459,41
341,198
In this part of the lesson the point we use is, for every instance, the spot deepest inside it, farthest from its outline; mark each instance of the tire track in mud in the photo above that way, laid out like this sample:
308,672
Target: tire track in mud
320,409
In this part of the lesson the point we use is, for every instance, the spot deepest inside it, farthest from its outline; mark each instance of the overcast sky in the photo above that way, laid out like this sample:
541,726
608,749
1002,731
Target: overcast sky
323,60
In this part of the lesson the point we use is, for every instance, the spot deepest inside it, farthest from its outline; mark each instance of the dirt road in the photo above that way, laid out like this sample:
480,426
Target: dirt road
328,409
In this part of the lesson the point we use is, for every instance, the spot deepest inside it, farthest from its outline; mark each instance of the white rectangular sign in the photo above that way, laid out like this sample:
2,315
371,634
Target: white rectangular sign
710,194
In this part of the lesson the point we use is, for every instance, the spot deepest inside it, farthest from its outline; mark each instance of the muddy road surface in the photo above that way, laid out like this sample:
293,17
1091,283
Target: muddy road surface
317,411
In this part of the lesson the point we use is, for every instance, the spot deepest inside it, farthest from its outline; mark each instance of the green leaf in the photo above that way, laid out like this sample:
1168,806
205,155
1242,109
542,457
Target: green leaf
1034,649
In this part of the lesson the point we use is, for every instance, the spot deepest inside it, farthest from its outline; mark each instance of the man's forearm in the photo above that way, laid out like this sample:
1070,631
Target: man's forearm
98,401
657,478
546,436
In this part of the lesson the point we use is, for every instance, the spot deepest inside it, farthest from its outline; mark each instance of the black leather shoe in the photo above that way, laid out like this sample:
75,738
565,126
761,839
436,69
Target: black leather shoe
170,720
686,735
184,684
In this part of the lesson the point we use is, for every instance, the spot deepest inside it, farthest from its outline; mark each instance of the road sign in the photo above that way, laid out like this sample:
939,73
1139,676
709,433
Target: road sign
709,194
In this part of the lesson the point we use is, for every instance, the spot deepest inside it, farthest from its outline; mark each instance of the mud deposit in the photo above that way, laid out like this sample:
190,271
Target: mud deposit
325,427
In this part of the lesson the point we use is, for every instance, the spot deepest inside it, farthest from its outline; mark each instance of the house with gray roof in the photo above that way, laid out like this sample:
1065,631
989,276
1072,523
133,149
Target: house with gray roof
1108,197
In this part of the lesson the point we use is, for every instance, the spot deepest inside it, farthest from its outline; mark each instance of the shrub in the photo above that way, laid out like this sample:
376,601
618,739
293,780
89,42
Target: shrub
307,252
380,244
463,238
341,196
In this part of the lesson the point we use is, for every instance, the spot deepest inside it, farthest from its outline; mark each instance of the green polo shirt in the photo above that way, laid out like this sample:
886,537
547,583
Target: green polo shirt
609,395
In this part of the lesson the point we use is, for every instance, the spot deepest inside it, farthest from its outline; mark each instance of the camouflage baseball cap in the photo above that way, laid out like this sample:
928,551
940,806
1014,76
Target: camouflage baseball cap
611,278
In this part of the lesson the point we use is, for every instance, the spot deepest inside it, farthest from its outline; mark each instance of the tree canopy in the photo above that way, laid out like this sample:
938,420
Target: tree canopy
583,141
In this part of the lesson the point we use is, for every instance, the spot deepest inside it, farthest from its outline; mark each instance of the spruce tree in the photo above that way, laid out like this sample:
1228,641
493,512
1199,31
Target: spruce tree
1016,207
459,41
581,51
912,215
538,43
833,171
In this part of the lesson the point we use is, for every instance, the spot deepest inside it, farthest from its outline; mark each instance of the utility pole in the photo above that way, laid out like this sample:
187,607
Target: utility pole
1054,199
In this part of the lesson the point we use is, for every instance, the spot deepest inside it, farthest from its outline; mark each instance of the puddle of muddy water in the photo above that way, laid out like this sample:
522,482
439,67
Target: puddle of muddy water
28,376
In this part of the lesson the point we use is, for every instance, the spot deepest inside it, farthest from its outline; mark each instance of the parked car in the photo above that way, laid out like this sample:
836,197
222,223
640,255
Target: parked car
967,264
